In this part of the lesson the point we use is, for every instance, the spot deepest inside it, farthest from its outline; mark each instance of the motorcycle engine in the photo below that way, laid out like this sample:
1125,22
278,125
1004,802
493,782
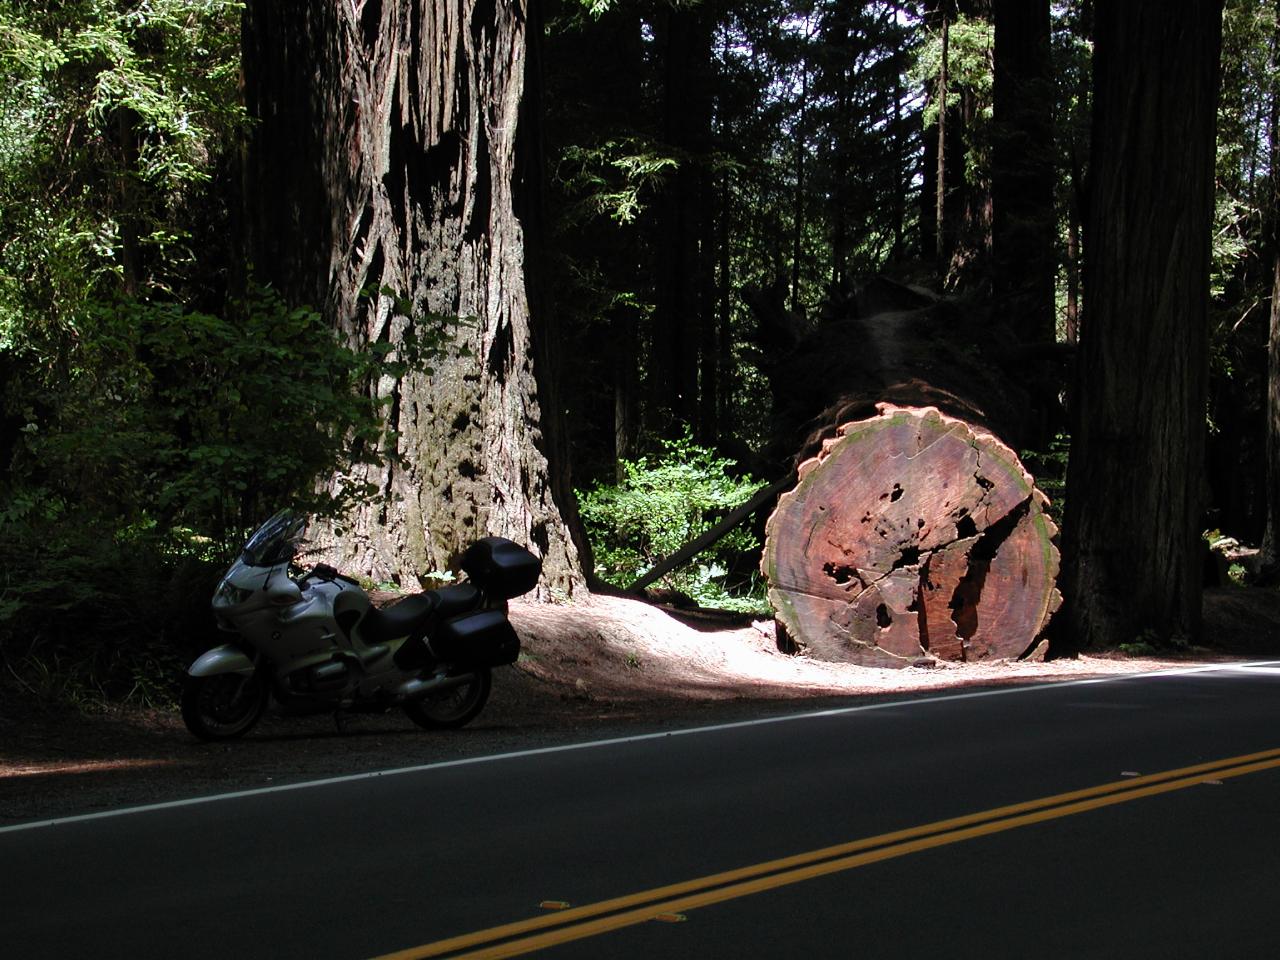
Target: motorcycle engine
321,678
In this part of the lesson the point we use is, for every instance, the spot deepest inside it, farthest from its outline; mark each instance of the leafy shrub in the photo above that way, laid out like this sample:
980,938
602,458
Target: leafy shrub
89,615
1049,470
142,460
660,505
187,419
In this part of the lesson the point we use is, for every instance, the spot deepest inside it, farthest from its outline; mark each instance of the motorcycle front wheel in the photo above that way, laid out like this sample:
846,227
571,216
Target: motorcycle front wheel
223,706
454,707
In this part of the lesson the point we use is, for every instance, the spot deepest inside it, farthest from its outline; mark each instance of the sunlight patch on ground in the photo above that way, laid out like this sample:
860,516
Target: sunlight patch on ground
39,769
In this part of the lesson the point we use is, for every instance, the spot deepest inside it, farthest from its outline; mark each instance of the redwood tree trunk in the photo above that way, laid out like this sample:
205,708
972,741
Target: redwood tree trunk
1132,555
389,154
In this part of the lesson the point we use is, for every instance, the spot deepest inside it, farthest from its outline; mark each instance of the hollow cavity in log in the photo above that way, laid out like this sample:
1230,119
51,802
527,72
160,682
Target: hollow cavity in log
912,535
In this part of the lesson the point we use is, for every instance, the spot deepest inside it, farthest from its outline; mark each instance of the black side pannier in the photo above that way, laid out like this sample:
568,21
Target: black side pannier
501,568
480,639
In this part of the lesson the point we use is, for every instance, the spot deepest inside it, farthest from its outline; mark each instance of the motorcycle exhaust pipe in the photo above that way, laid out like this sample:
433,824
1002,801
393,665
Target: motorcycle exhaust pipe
416,689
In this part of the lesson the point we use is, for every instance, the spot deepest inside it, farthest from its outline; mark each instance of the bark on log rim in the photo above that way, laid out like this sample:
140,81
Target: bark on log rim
912,536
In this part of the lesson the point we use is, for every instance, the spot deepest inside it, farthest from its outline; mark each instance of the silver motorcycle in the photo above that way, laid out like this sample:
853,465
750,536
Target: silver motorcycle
313,642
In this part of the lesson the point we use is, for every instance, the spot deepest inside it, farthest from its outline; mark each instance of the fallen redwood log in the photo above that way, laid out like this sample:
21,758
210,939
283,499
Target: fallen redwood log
912,536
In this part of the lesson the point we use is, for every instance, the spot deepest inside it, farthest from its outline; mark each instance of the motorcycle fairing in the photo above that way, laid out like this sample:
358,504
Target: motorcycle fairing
227,658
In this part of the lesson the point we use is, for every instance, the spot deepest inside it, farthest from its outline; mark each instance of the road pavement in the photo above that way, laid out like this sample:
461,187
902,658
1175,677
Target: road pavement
1125,817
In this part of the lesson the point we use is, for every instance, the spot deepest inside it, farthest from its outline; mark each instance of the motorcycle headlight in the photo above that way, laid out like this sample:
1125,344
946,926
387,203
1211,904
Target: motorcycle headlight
229,595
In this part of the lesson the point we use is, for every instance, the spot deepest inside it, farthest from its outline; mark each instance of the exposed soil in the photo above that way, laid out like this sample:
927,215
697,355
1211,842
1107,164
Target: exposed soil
603,667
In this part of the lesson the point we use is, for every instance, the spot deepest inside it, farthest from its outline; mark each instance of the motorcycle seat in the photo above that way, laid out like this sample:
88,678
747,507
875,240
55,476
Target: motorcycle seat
412,614
450,601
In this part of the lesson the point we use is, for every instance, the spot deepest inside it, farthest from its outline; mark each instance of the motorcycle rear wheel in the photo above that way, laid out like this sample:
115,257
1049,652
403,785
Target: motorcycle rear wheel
223,706
455,707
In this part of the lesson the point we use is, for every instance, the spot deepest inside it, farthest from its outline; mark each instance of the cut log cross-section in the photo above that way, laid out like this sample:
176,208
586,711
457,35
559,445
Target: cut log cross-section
912,536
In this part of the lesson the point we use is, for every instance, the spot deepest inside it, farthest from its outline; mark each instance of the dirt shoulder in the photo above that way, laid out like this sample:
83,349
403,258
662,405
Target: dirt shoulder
603,667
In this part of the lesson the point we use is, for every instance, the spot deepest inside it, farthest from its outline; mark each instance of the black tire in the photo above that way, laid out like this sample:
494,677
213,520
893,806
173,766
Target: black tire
455,707
223,706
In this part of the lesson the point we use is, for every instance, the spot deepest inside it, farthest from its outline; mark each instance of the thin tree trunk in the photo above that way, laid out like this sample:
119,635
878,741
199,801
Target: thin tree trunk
1270,560
940,249
708,348
673,369
797,245
900,172
126,136
927,218
1024,222
626,390
390,152
1073,275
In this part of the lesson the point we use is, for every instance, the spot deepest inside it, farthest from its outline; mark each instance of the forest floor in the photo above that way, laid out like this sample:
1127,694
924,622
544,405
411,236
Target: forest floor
603,667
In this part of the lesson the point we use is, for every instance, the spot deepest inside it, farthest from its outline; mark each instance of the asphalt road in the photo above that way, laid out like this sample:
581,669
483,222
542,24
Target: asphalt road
962,825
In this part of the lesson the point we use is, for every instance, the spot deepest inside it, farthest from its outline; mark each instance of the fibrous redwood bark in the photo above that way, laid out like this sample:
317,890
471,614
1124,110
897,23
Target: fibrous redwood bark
1132,547
390,153
912,536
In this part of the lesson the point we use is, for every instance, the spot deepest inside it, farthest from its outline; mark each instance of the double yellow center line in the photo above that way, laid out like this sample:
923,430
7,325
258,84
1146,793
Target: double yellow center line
536,933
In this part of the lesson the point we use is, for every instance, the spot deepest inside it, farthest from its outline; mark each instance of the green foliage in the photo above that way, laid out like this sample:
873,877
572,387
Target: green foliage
970,43
610,177
1150,643
201,420
1049,469
970,74
660,505
89,615
149,413
793,150
1243,252
113,120
139,467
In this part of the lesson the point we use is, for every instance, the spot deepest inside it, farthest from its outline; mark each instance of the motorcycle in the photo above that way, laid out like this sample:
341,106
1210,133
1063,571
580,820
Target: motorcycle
314,642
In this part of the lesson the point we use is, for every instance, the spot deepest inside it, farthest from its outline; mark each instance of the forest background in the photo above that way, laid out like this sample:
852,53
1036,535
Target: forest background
699,185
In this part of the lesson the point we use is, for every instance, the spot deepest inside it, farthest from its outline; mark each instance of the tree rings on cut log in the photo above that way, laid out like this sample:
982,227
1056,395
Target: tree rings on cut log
912,536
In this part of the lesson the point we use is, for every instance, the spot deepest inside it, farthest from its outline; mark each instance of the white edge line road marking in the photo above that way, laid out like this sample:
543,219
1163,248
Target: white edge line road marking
590,744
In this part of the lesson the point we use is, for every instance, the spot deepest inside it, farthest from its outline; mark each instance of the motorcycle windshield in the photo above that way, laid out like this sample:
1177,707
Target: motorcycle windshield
276,540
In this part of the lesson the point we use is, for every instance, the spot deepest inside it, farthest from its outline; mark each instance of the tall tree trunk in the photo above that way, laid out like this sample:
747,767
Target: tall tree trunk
626,389
724,304
835,36
679,314
390,152
940,183
710,372
1073,276
1022,180
797,238
927,219
1270,560
128,197
900,172
1132,549
596,72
